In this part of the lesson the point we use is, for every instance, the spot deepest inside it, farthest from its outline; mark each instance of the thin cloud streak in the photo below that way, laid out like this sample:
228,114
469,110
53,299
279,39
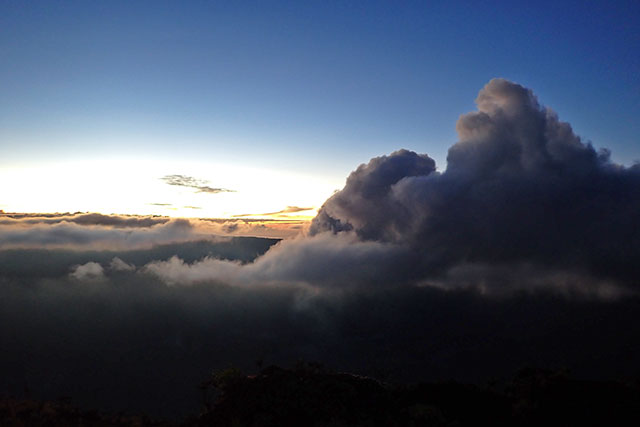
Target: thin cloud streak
287,210
191,182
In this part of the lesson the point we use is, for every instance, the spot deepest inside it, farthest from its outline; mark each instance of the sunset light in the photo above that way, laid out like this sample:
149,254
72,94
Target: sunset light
127,186
319,213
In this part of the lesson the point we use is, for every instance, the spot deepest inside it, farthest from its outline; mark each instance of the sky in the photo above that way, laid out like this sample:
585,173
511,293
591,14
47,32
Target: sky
432,190
279,101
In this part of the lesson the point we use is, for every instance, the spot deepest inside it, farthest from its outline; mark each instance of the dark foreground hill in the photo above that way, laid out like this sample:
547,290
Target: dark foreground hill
310,395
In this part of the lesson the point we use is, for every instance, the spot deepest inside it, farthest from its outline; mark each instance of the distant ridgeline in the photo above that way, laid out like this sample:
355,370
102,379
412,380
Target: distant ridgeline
309,395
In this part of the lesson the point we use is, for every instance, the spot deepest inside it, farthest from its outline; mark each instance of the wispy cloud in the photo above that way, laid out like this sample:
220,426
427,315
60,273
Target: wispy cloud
191,182
289,209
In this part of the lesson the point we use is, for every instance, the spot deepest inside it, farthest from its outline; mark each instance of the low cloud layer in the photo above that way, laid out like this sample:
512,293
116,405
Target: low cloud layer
64,234
87,219
97,231
112,336
325,261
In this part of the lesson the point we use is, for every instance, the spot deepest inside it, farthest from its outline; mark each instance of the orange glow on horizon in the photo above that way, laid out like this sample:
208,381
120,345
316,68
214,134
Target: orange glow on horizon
128,187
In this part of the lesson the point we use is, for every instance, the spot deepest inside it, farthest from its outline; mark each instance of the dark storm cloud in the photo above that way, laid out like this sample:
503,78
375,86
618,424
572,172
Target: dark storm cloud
524,204
364,204
520,187
191,182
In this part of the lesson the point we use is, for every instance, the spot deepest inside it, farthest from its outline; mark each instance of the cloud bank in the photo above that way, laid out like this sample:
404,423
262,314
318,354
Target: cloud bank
86,219
61,234
97,231
521,193
325,261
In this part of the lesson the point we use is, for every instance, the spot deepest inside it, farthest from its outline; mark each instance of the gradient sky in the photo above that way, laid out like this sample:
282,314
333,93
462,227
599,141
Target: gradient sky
280,100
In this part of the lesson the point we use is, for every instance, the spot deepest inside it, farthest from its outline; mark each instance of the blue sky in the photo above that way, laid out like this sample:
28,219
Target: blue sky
311,88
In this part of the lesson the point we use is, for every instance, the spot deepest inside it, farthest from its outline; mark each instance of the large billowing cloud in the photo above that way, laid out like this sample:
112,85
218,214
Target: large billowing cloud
519,186
365,205
521,193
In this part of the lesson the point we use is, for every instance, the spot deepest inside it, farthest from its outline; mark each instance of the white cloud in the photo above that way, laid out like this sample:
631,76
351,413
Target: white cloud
87,272
119,265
